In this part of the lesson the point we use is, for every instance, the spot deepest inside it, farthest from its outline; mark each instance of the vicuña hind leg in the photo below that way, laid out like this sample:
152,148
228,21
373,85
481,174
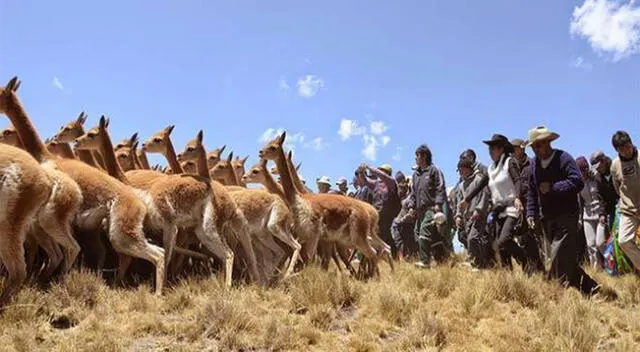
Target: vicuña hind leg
285,236
239,228
12,256
60,232
211,239
126,236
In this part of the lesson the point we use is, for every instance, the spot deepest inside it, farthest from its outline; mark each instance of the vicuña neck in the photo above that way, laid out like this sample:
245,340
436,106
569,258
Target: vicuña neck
109,156
288,188
271,185
26,130
172,158
66,151
201,164
142,158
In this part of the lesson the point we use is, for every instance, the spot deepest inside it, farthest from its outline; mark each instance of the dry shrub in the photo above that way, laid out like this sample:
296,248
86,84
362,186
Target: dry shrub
314,286
322,316
425,330
394,306
27,306
570,324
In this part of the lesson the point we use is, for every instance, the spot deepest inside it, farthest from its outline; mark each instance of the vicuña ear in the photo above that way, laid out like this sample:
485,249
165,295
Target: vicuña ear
104,122
200,136
245,159
230,157
134,138
263,163
283,136
298,167
81,118
12,84
223,148
169,129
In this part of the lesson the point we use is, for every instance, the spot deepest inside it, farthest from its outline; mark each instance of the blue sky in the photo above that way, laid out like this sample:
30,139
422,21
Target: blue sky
350,81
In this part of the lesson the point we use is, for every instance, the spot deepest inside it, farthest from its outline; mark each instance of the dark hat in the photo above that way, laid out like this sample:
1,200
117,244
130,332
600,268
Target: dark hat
518,143
500,140
596,158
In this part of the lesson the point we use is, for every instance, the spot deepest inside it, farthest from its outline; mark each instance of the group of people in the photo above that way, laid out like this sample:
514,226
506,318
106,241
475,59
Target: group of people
531,209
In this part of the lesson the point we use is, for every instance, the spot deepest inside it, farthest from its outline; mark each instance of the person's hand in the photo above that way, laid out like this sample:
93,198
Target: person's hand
463,205
603,219
531,222
475,216
545,187
518,205
459,223
438,208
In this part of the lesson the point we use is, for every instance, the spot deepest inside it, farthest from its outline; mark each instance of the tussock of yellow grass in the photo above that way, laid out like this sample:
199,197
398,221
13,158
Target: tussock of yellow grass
447,308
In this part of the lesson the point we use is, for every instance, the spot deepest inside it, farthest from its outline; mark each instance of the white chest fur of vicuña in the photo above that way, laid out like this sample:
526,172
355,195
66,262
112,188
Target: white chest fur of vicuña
10,182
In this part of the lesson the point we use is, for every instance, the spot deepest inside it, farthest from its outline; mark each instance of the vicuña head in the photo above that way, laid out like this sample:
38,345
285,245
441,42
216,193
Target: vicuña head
193,149
158,142
257,173
272,150
74,129
213,157
92,139
10,136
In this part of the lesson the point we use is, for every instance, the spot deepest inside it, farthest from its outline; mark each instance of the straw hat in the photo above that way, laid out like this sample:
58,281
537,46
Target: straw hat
541,133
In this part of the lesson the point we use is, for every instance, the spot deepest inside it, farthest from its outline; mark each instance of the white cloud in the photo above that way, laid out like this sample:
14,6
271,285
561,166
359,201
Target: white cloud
283,84
397,156
580,63
372,136
378,127
309,85
370,149
317,144
56,83
293,139
610,26
349,128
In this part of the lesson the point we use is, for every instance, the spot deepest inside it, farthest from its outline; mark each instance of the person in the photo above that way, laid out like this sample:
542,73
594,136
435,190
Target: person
479,171
471,221
385,200
593,212
343,186
363,192
403,225
504,185
324,184
625,172
554,184
602,164
530,239
426,200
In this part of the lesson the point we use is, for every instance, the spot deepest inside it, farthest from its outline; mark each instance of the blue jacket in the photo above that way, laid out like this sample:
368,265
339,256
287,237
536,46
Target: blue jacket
566,182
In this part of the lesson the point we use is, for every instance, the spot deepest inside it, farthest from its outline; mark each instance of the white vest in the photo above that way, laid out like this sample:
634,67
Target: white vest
503,190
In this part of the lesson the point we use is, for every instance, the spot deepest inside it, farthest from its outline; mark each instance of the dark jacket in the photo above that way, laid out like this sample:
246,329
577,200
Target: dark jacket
428,189
608,193
525,171
566,182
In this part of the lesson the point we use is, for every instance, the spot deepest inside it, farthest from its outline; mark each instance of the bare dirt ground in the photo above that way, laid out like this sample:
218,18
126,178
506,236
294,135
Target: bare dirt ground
449,308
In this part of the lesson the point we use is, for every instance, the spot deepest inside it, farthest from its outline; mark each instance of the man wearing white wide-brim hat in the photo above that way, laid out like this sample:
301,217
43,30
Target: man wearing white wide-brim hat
554,184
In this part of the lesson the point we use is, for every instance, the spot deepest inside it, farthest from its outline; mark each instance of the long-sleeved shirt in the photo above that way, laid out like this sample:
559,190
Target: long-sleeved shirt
428,189
365,194
626,180
479,203
480,171
565,179
385,194
590,198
